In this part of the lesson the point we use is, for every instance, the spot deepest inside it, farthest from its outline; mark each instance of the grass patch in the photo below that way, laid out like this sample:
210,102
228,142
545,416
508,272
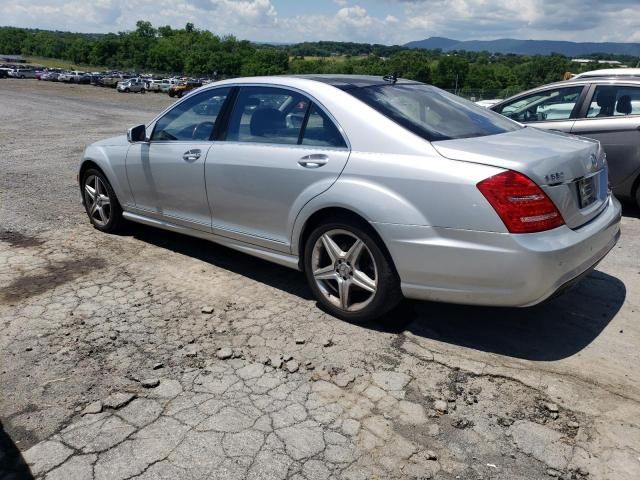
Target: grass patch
59,63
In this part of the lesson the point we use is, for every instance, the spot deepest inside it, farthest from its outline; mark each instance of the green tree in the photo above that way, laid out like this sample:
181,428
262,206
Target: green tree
451,72
413,64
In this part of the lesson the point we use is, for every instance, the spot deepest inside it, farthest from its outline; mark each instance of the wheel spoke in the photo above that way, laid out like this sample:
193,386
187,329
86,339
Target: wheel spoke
337,271
103,216
363,281
90,191
93,209
343,292
333,250
354,252
325,273
97,186
105,200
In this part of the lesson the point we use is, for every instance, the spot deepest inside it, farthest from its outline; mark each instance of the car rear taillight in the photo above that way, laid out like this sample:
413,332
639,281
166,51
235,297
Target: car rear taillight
520,203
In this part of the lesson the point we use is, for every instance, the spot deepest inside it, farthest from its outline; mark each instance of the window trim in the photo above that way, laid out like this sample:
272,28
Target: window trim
305,120
312,100
592,92
154,123
575,112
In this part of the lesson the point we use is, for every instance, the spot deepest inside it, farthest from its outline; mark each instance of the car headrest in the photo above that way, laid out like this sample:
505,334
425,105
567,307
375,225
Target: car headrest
266,120
606,98
624,105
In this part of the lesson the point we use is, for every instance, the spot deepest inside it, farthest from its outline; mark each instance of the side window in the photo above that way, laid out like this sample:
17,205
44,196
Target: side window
612,101
321,131
267,115
549,105
193,119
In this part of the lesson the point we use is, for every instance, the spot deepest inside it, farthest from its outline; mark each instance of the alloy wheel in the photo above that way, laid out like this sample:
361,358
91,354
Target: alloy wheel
344,270
97,200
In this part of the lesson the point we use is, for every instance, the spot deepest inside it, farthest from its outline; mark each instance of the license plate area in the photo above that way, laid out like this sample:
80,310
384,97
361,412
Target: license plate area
588,190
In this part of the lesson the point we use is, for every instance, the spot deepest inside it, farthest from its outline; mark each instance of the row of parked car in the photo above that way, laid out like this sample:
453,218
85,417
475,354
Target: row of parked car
125,82
173,86
16,72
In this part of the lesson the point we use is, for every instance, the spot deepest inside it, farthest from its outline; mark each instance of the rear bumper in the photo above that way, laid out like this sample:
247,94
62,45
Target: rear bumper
500,269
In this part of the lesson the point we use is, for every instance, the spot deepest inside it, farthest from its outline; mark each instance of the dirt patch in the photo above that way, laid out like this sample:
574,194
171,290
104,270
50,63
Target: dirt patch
19,240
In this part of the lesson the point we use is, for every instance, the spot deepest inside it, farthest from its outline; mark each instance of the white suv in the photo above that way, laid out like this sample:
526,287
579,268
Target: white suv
23,73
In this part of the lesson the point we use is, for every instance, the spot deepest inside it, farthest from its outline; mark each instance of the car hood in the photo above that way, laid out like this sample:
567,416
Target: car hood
539,154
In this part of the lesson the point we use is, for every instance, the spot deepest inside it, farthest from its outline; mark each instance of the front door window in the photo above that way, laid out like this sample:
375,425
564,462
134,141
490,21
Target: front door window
548,105
192,119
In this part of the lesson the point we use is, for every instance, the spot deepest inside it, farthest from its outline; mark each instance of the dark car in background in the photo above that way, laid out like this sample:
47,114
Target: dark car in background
603,108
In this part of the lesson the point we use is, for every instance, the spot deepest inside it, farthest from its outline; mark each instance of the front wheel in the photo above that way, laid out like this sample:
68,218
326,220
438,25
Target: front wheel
349,272
100,202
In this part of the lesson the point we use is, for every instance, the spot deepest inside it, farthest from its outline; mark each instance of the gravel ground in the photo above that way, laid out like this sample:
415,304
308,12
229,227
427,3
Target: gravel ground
151,355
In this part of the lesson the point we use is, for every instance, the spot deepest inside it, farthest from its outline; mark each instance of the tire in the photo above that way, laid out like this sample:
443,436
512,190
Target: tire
346,267
107,216
171,94
638,195
126,90
143,90
179,95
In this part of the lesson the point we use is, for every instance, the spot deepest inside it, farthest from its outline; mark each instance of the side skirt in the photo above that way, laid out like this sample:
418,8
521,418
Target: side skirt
290,261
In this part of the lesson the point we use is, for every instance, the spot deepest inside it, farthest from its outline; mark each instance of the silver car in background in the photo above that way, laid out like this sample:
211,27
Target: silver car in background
376,188
136,85
606,109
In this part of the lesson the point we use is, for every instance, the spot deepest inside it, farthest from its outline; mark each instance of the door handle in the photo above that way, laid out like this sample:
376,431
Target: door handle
191,155
315,160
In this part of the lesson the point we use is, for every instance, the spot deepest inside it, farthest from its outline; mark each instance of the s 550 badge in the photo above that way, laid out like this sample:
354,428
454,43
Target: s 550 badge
554,177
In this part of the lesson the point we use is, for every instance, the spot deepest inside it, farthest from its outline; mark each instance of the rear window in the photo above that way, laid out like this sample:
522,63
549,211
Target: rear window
432,113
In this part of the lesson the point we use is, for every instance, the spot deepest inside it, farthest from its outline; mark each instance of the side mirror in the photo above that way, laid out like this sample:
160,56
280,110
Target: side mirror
137,134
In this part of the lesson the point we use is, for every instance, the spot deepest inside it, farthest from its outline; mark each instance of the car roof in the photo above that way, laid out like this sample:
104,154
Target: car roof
582,81
349,82
610,72
605,79
342,82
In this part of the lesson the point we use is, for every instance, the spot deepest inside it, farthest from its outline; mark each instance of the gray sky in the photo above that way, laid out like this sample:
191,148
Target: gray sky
379,21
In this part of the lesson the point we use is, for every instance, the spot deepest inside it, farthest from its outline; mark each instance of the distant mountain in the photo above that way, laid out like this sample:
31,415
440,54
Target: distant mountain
528,47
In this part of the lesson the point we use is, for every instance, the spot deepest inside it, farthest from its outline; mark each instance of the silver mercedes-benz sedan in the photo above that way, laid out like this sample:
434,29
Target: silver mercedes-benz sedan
377,188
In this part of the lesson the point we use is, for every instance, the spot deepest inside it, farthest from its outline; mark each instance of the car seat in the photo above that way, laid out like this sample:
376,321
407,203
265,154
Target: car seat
266,121
624,105
606,100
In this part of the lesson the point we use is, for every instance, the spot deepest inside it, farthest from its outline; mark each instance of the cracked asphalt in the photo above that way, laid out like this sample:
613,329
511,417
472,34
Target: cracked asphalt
150,355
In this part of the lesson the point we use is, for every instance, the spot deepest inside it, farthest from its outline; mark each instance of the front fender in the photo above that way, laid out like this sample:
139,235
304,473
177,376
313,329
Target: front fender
111,159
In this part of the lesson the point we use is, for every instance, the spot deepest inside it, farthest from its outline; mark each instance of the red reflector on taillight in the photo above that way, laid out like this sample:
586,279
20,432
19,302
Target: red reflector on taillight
520,203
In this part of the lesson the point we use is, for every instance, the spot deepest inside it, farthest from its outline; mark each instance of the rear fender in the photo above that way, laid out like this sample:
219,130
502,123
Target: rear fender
369,200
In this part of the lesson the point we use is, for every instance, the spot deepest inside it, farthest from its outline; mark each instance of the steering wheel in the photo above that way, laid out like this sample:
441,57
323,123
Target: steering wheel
202,131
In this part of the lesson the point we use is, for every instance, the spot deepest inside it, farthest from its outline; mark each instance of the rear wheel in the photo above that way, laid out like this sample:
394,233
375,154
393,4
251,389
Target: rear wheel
100,202
126,90
349,273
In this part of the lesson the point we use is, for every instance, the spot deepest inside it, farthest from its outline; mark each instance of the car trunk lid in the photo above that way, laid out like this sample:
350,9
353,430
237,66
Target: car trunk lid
566,167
